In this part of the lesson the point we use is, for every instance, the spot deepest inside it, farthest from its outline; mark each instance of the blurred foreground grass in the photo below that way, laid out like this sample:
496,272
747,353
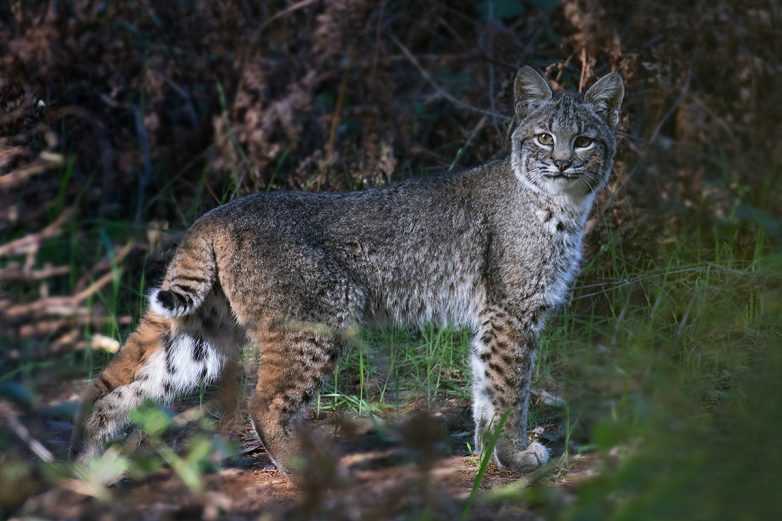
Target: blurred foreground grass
679,382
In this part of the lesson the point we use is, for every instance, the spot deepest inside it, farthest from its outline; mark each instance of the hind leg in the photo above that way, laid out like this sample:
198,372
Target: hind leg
292,369
228,389
161,359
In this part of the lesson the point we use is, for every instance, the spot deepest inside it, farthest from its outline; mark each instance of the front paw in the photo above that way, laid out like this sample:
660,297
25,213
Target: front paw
526,460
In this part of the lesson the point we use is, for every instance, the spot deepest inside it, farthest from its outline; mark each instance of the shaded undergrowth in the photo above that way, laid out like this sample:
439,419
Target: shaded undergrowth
665,370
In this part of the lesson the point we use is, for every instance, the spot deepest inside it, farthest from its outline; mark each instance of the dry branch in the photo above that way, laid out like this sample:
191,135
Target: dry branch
31,243
107,262
440,91
55,305
45,162
47,327
14,272
35,446
285,12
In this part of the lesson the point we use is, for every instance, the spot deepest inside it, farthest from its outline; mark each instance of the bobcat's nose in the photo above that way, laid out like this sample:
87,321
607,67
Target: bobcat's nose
562,164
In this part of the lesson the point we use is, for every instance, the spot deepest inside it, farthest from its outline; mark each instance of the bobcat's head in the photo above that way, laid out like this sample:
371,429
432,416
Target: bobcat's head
564,145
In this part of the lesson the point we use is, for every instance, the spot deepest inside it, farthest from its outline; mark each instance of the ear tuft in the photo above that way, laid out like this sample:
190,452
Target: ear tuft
530,89
606,95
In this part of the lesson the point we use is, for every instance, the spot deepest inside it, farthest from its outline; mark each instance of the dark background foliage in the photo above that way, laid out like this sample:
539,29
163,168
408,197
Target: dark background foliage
155,100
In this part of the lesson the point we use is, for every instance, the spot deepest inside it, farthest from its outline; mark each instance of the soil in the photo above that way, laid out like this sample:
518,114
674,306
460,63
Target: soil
394,468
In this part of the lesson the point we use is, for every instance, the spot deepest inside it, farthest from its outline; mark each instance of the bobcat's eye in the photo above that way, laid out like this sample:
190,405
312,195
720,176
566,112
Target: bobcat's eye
582,142
545,139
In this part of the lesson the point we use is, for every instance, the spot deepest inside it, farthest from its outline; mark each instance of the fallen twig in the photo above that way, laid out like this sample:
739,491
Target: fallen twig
35,446
14,272
31,243
106,262
56,305
45,162
47,327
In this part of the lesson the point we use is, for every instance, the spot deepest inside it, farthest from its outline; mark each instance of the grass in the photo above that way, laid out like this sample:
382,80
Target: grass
485,458
662,362
390,365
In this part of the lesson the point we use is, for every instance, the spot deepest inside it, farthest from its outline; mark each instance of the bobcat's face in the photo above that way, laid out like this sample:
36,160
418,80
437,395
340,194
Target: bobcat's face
564,146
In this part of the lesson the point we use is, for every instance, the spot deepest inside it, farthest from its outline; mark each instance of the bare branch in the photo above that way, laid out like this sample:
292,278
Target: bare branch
30,243
440,91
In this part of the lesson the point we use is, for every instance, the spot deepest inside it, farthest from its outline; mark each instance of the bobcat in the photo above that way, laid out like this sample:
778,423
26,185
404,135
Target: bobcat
494,248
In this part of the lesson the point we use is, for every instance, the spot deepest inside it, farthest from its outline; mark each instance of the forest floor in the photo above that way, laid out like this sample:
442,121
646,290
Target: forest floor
380,474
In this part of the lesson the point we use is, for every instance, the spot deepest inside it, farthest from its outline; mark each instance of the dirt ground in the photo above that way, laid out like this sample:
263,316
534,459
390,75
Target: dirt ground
413,464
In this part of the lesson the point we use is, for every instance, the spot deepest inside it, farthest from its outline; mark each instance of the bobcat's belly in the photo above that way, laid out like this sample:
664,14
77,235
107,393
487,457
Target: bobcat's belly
448,298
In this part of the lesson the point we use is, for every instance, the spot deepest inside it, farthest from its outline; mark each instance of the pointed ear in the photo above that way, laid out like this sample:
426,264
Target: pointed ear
529,90
606,95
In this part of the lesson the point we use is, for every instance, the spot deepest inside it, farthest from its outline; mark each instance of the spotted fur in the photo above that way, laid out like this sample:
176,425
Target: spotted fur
493,248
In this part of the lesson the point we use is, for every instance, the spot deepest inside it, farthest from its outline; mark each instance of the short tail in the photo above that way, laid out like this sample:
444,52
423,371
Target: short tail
188,281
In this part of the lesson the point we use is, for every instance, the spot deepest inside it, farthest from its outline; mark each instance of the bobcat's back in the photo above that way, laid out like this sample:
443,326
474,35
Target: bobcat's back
411,253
